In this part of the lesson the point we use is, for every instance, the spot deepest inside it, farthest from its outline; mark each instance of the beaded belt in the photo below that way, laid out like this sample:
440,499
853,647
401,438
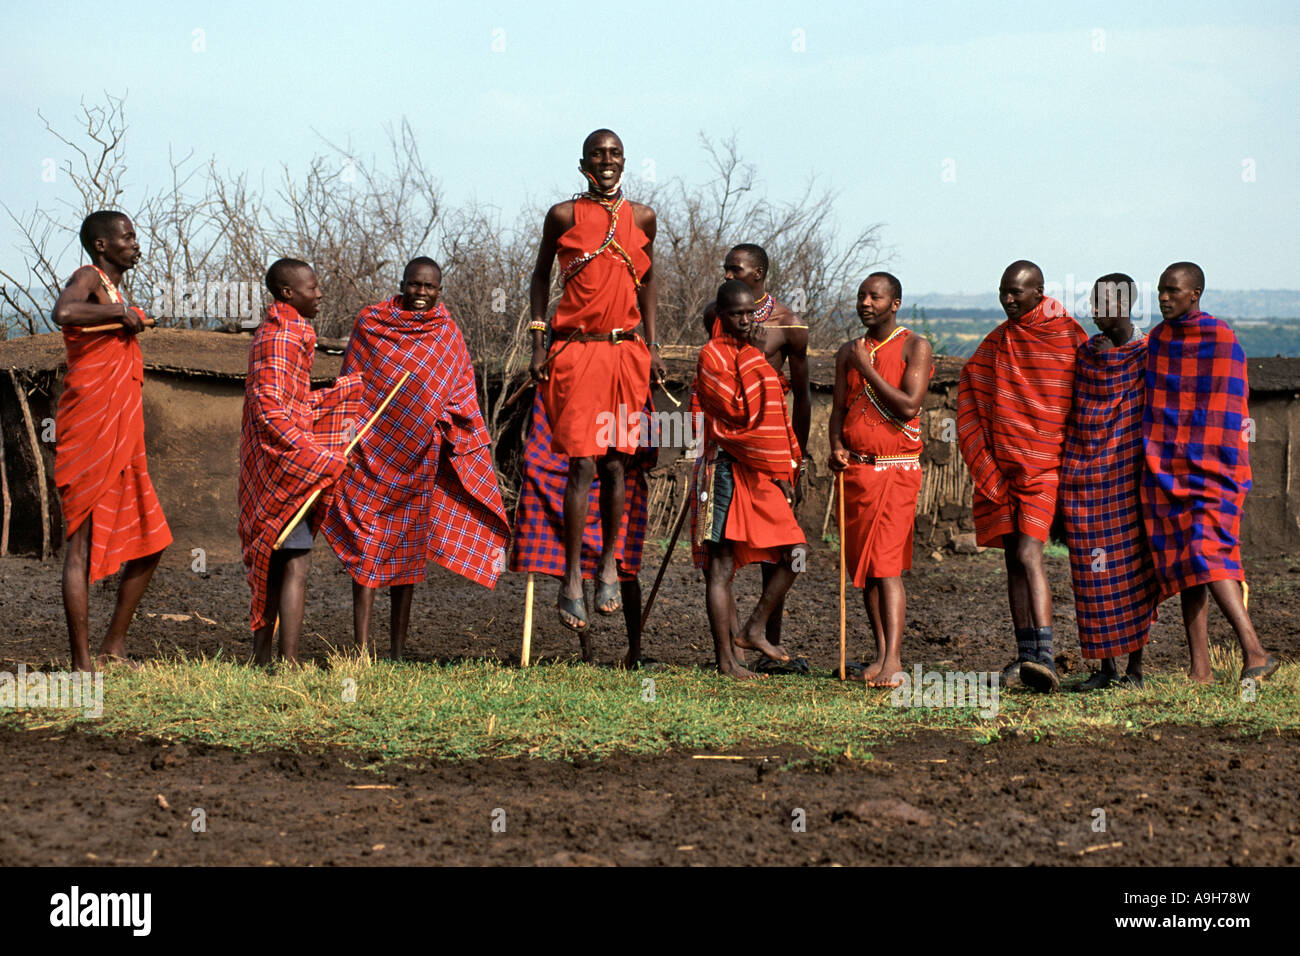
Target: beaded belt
883,459
616,336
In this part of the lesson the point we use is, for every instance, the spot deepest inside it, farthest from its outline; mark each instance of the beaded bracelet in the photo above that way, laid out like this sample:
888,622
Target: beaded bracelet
537,325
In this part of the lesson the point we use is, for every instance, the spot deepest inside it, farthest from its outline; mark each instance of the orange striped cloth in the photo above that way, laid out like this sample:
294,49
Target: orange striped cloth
1012,403
99,460
745,416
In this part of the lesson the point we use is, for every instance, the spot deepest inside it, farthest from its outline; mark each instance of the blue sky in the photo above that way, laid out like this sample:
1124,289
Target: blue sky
1089,138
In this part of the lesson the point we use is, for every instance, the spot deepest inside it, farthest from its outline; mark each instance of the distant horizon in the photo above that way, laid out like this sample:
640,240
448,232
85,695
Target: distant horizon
1090,136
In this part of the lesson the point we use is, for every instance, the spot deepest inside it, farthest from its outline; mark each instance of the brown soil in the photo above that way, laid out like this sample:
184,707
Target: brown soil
1173,796
1182,797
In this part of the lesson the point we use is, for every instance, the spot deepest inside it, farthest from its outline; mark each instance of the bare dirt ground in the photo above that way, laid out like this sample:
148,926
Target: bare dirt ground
1171,796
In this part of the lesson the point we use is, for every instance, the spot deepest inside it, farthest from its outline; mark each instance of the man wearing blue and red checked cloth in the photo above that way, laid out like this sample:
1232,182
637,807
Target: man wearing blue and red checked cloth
1198,468
421,486
1114,581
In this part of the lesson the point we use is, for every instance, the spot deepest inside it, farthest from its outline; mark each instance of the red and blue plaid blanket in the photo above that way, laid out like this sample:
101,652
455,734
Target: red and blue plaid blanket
539,516
1101,469
1197,459
421,485
291,439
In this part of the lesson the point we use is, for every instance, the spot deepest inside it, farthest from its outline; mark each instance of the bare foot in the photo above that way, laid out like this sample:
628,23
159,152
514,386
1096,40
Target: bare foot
886,675
757,642
1198,678
739,672
871,672
82,662
106,660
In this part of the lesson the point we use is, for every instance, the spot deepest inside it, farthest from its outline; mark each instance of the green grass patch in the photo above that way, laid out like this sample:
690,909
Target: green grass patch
405,711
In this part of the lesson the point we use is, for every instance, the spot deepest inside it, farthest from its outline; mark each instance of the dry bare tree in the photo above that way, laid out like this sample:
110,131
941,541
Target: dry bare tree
813,270
95,172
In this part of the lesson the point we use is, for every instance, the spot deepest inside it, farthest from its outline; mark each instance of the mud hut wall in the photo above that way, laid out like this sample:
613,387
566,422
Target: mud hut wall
32,521
1271,521
192,437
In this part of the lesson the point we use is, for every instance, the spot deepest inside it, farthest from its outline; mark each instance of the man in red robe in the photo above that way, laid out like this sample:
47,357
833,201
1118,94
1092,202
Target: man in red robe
782,336
422,485
1012,403
875,437
743,499
290,446
598,369
110,510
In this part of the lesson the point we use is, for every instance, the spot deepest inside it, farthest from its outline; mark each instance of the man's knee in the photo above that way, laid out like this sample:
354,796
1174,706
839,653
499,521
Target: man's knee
611,466
582,470
719,563
297,567
1029,552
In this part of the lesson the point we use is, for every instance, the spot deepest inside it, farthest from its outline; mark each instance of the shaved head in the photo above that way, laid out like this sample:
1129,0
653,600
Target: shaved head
419,261
1033,276
756,253
733,290
100,225
1192,271
596,136
282,273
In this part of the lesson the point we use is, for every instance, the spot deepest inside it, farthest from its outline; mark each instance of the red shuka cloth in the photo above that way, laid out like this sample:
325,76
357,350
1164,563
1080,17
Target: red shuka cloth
1012,403
421,485
745,416
99,459
879,498
291,440
1197,452
594,383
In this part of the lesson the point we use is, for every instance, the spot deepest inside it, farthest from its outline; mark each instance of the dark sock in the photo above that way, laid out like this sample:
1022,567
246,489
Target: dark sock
1043,637
1026,644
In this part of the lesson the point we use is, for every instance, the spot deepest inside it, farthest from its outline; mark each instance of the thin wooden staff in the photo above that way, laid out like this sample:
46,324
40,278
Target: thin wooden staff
839,487
302,512
111,326
669,394
528,622
529,383
672,546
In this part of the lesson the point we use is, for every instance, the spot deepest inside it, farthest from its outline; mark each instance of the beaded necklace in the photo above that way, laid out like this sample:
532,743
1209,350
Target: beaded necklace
911,429
108,284
612,205
763,311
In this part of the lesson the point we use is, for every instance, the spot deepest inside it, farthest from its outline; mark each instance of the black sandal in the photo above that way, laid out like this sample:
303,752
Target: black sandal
574,607
607,591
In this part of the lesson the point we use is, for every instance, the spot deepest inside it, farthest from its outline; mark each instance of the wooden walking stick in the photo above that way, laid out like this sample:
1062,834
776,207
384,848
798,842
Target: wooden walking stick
672,545
528,622
528,382
839,487
306,506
